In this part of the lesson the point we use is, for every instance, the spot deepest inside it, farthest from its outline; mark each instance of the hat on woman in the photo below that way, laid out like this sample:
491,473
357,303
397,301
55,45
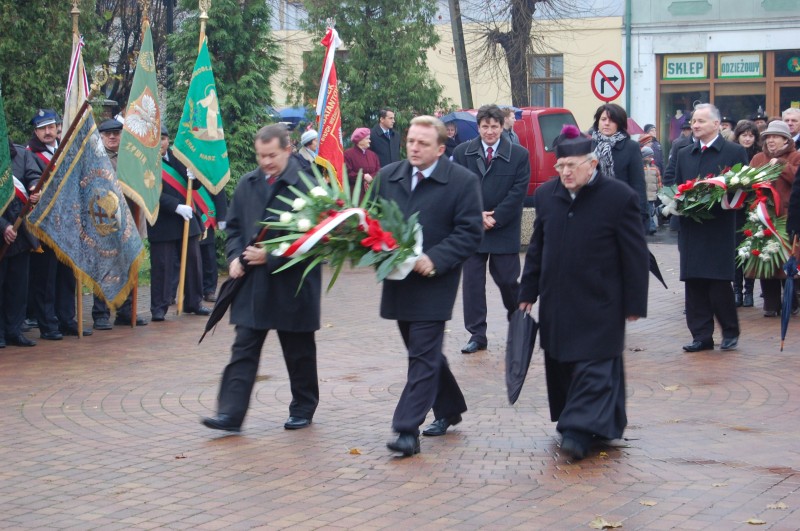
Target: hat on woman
359,134
779,128
307,137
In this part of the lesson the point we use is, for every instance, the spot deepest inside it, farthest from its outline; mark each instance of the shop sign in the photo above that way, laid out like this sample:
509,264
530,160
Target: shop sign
685,67
738,65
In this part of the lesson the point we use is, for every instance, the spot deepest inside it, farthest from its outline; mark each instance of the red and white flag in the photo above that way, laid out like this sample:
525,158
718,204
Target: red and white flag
330,153
77,83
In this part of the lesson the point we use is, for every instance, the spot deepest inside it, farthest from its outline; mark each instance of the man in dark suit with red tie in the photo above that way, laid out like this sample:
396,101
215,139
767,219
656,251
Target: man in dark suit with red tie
283,301
504,170
385,140
447,198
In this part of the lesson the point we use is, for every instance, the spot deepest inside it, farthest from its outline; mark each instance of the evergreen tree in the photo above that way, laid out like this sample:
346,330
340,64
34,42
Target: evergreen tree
385,60
35,48
243,58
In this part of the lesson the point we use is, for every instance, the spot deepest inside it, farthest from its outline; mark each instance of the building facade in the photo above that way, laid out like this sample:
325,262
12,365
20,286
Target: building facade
741,55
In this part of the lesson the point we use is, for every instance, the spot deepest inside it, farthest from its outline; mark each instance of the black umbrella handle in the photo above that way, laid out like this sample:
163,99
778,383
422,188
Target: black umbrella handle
257,238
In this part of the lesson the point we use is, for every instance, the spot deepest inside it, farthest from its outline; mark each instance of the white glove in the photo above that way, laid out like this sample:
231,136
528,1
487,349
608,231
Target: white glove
221,225
185,211
190,175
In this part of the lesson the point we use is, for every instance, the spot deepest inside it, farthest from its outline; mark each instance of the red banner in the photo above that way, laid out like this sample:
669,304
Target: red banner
330,153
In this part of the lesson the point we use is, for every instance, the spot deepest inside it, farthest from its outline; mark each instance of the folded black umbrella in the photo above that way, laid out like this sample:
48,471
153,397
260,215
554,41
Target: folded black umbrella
229,288
790,268
656,271
519,348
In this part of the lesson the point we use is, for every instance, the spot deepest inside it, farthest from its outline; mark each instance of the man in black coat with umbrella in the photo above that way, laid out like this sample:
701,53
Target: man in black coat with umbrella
447,197
707,249
268,301
587,263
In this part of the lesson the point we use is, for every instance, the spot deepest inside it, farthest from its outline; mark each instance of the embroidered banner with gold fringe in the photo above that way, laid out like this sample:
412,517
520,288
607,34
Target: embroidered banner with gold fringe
83,216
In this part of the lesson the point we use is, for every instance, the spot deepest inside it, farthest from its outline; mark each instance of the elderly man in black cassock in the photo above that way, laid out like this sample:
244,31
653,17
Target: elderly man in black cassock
588,264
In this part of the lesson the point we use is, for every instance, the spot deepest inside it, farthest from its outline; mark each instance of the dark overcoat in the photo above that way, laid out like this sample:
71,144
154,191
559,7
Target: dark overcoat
668,178
793,217
270,301
169,224
503,187
587,263
707,249
25,169
449,206
629,168
388,151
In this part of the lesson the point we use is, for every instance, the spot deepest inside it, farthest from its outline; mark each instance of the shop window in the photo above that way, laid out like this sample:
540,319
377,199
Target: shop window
787,64
546,80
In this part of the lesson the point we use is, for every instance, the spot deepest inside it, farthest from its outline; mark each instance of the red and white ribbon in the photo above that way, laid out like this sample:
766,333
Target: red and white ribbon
20,191
316,233
766,219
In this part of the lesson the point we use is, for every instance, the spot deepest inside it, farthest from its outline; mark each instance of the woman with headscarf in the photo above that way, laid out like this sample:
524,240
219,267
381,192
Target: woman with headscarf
746,135
619,156
360,158
778,148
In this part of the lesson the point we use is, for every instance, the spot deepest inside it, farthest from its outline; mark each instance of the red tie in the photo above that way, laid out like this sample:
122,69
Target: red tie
271,179
489,155
703,149
416,179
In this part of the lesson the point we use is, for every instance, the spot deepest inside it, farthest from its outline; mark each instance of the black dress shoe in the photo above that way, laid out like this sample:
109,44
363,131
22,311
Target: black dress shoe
21,341
296,423
52,336
439,426
202,310
102,324
74,331
30,323
126,321
221,422
2,343
697,346
737,298
406,444
210,297
472,347
575,444
770,314
158,317
747,300
729,343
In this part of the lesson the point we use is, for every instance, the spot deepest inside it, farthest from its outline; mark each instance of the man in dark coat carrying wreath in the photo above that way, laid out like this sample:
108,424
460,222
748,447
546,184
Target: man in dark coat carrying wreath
707,249
587,262
447,197
268,301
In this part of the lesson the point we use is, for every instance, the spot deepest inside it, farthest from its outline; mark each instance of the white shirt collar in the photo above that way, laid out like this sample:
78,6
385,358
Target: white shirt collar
427,171
493,146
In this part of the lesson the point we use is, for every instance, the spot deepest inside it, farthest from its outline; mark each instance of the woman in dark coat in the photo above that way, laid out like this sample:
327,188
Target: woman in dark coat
746,135
619,156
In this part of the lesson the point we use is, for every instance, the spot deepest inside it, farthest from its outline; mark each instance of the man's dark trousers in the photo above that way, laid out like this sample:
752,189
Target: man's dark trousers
706,299
163,256
239,377
430,382
505,270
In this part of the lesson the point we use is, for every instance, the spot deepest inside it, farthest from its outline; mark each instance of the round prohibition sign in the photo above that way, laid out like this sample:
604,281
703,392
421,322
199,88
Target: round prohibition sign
608,80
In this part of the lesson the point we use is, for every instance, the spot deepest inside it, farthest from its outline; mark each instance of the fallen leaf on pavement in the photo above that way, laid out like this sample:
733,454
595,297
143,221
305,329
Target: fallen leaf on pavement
779,505
603,455
756,521
602,523
180,456
355,451
719,484
648,503
670,387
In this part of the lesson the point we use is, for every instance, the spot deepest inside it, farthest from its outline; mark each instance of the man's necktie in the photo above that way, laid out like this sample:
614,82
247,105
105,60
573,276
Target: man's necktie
415,180
489,155
703,149
388,134
271,179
